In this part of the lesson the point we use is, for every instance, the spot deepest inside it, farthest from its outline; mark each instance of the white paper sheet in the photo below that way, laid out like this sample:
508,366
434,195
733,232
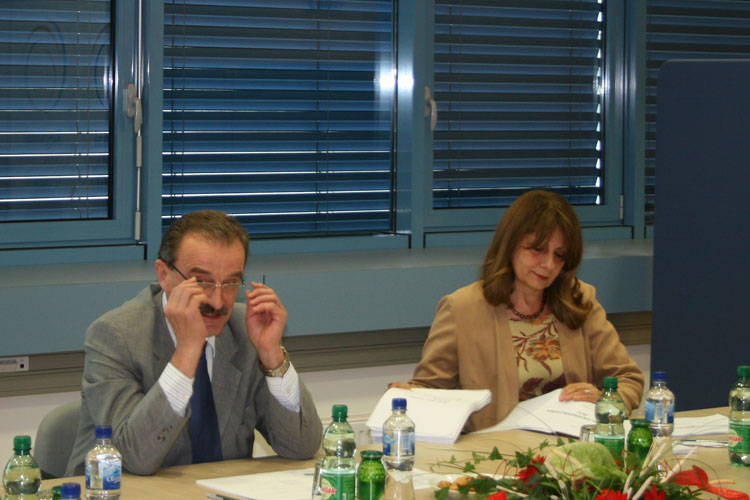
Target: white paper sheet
287,485
439,415
546,413
281,485
700,426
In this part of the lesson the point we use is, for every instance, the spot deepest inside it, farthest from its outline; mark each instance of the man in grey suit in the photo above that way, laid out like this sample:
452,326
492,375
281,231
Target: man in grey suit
142,358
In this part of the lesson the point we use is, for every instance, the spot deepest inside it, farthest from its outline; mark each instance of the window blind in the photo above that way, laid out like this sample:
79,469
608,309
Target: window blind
280,113
55,100
687,29
519,86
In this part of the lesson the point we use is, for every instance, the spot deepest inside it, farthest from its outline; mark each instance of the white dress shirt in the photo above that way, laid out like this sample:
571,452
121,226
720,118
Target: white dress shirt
178,387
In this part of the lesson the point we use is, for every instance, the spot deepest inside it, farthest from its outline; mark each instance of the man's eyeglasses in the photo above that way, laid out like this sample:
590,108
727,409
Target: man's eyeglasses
230,288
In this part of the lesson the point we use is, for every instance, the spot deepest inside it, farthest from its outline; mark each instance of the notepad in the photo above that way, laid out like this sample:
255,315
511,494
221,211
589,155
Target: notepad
439,415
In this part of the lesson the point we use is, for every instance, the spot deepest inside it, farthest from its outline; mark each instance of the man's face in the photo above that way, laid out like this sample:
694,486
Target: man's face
210,262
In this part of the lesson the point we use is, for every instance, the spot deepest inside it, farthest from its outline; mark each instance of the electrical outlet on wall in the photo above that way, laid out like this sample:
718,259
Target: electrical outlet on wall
17,364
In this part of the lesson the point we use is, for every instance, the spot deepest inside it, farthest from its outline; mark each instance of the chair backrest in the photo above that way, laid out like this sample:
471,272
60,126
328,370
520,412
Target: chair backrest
55,438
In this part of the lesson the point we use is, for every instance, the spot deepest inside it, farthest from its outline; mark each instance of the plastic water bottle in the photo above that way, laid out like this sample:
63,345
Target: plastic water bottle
338,473
70,491
660,407
103,467
22,477
610,417
398,453
739,419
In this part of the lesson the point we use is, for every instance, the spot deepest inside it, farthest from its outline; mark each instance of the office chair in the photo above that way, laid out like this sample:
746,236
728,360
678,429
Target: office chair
55,438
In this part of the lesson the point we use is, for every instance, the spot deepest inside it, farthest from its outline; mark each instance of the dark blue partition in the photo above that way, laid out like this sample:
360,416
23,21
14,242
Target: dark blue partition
701,293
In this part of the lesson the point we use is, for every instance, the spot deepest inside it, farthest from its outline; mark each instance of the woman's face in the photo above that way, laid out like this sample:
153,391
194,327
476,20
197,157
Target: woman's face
537,267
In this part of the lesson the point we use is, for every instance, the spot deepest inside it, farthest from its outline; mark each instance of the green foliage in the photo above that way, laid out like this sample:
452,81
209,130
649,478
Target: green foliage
568,470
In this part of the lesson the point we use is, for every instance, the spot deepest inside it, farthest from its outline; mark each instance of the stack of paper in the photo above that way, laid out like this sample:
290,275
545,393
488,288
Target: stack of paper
546,413
439,415
701,426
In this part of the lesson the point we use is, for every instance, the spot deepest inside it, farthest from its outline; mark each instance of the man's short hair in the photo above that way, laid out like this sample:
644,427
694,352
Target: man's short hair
212,225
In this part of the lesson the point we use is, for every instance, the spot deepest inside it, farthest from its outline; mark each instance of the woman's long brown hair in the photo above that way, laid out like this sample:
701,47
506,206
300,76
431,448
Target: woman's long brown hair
538,213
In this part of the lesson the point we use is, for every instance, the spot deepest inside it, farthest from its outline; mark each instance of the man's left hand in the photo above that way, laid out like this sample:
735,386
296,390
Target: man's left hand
265,318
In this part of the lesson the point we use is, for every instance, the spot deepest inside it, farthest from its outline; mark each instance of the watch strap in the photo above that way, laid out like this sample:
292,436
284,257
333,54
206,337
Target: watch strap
281,369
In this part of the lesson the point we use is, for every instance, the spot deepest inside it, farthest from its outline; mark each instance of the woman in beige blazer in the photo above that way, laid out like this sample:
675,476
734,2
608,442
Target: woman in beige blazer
528,326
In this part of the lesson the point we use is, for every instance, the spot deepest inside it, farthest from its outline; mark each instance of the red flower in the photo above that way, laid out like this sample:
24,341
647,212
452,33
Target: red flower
652,494
500,495
611,495
530,470
698,477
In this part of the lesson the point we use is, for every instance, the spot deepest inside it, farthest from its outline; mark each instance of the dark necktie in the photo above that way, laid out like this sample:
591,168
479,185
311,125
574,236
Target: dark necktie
204,426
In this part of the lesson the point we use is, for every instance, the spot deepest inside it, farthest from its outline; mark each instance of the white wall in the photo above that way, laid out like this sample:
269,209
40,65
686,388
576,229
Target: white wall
359,388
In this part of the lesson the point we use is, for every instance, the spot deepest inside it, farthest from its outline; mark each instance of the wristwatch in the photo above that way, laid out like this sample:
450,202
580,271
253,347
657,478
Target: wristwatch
281,369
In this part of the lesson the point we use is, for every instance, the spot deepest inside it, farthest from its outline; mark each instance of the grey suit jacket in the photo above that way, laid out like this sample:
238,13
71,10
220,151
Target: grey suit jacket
126,351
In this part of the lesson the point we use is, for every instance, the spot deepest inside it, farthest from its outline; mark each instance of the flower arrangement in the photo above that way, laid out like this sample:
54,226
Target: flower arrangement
580,471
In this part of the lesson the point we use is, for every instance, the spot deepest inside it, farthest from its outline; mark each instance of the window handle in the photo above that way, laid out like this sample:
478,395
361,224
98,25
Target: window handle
430,108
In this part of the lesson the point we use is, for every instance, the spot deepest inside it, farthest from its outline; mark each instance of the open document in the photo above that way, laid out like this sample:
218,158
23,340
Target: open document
439,415
546,413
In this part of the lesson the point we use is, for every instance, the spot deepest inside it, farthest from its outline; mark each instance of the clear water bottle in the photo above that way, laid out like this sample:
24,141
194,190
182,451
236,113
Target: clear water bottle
660,407
22,477
338,473
70,491
103,467
739,419
398,452
610,419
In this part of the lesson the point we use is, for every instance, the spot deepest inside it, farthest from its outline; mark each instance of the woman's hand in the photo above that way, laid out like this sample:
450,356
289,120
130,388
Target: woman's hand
399,385
580,391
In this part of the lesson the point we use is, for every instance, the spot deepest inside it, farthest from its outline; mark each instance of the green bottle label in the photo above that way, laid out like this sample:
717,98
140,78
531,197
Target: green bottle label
337,486
739,437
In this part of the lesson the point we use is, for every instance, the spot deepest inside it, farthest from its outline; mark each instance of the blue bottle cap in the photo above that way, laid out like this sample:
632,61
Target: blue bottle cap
70,491
398,404
659,376
103,432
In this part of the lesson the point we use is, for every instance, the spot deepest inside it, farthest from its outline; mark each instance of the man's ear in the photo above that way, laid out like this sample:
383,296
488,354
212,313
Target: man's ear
162,271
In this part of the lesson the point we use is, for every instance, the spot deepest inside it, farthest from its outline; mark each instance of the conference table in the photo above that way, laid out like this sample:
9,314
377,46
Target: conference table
179,482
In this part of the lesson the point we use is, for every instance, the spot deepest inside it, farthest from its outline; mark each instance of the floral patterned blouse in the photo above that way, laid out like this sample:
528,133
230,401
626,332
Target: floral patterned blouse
540,368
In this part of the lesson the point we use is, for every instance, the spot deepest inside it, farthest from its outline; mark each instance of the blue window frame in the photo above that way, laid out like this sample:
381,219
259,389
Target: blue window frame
281,114
524,91
62,180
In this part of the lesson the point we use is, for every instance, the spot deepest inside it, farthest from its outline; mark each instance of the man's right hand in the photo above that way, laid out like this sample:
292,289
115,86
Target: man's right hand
184,315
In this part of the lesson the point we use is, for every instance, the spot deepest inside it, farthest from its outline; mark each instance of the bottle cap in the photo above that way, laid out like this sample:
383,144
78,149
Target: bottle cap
659,376
103,432
70,490
610,382
339,413
743,371
398,404
22,443
371,454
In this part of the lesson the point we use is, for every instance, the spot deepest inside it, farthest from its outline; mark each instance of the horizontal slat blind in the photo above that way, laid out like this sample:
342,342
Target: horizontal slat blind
55,99
280,113
519,91
687,29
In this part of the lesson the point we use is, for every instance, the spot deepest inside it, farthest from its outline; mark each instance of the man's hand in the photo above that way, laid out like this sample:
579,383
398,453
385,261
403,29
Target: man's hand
184,315
580,391
266,319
